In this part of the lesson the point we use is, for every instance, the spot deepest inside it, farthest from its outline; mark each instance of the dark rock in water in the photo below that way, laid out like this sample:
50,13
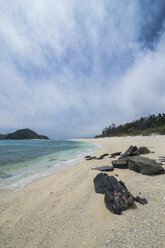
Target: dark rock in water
132,151
145,166
117,197
113,155
52,159
121,164
140,200
90,158
4,175
104,168
143,150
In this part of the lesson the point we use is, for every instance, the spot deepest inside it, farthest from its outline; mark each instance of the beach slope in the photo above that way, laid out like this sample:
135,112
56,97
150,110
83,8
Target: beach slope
63,210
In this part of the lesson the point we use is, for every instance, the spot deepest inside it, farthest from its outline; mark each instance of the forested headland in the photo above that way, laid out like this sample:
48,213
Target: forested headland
143,126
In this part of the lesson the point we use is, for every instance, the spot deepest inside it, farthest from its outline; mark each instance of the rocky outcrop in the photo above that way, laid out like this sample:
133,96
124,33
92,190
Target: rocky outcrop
133,161
145,166
117,197
134,151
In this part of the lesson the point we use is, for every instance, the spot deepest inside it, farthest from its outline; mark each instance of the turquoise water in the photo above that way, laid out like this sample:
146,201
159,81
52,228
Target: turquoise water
22,161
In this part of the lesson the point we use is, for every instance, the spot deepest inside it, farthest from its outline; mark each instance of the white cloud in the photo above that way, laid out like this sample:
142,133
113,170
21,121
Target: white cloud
71,68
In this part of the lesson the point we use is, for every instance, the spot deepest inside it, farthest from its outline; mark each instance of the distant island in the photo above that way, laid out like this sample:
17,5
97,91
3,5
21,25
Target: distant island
22,134
143,126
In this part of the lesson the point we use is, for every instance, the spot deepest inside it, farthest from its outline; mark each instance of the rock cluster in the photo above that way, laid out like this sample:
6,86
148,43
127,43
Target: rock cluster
132,160
117,197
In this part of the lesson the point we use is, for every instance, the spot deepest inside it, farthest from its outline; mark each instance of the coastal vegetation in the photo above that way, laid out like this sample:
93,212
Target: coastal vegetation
22,134
143,126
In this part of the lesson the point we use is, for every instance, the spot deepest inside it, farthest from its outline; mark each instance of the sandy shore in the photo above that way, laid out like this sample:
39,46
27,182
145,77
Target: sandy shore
63,210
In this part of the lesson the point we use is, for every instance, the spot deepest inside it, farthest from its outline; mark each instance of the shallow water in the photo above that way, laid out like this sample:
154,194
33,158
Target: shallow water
22,161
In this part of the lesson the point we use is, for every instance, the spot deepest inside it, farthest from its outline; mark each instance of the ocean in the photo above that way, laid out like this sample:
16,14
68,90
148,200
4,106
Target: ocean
22,161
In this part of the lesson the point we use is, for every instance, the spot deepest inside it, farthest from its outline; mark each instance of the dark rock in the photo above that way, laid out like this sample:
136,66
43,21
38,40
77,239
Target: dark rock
4,175
121,164
87,157
90,158
145,166
104,168
99,158
132,151
142,201
113,155
117,197
102,156
116,175
105,154
143,150
102,182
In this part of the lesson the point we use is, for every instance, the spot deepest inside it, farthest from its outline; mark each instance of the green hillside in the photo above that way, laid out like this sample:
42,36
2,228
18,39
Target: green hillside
142,126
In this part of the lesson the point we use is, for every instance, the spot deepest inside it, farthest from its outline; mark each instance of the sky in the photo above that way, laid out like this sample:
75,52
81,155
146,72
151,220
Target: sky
70,68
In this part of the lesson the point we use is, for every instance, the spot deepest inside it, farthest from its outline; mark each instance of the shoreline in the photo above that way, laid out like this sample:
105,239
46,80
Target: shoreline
63,210
55,168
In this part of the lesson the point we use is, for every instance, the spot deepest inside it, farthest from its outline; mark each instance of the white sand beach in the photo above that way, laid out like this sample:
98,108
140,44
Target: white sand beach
63,210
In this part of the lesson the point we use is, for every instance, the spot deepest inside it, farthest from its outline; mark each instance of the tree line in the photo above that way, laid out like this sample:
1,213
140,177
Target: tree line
143,126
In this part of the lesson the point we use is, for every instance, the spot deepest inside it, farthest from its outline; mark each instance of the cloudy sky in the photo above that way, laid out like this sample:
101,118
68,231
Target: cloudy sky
69,68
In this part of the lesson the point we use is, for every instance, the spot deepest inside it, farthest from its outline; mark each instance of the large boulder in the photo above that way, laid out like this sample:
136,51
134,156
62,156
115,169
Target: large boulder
117,197
134,151
145,166
120,163
131,151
